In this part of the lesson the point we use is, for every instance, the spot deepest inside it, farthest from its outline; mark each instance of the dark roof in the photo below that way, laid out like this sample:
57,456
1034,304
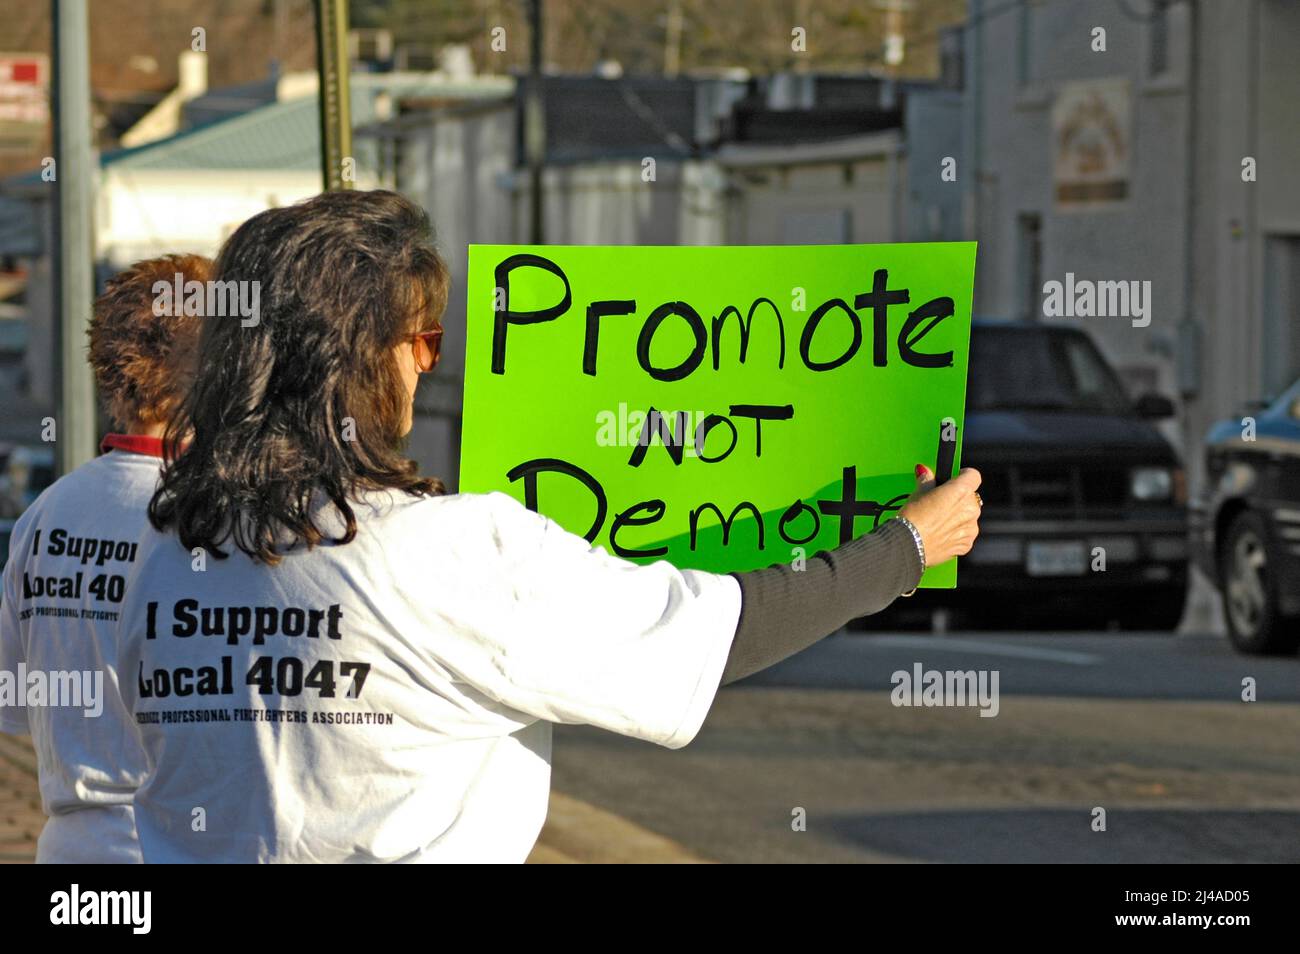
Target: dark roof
805,125
592,117
229,101
796,107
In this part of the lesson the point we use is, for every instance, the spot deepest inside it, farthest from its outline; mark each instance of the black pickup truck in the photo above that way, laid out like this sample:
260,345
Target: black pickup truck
1085,518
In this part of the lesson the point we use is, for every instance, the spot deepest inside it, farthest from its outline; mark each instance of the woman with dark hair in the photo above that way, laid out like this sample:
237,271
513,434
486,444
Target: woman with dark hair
332,660
308,397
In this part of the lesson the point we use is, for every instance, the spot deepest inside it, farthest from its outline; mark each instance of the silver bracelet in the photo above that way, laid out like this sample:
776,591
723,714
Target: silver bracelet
920,546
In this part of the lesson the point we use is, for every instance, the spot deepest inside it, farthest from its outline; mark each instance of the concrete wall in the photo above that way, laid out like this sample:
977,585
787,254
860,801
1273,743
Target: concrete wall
608,202
1223,332
812,196
144,213
933,124
458,169
1025,55
1246,233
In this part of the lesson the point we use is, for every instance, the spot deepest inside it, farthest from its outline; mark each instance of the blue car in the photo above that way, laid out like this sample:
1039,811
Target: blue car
1246,525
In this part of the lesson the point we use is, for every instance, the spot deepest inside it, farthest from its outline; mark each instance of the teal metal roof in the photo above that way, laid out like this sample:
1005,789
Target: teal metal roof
286,135
275,136
279,136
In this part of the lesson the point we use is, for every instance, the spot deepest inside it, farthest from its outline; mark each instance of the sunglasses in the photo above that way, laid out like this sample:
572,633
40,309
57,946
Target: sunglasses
433,343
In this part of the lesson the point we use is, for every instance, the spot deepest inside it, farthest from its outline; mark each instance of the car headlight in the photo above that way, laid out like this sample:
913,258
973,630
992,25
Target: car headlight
1151,483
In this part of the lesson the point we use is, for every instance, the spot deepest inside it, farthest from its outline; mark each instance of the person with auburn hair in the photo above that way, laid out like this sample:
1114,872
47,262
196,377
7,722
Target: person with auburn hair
70,555
367,668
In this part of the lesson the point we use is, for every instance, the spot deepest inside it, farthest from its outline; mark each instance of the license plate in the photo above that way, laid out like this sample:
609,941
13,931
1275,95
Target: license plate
1056,558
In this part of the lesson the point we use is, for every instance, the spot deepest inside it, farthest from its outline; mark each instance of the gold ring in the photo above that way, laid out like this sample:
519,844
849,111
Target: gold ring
979,500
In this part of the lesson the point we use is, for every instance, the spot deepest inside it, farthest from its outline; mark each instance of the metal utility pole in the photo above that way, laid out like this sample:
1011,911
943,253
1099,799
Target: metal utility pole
335,108
673,39
973,120
895,32
535,123
75,172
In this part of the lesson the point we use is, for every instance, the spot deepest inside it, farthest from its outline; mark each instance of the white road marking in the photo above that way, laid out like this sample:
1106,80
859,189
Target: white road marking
989,649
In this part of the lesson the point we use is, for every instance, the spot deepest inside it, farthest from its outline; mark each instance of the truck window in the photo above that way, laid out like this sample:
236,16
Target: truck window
1016,369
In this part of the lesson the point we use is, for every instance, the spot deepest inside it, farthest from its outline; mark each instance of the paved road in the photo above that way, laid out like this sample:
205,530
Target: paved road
1150,728
1110,665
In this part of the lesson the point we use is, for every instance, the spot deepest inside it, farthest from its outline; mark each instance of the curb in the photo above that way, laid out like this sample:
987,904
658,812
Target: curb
579,833
21,818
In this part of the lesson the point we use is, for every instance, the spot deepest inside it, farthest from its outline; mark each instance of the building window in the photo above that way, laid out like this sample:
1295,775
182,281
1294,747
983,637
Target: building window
1281,338
1029,229
1024,51
952,58
1158,39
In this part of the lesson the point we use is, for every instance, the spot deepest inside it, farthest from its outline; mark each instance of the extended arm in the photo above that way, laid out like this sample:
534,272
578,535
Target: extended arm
784,610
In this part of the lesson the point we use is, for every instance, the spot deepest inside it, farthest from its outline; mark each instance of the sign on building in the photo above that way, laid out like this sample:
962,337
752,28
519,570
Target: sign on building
1090,139
24,100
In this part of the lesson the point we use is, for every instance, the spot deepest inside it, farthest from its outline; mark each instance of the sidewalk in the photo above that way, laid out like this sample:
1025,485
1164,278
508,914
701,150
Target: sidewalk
21,817
575,832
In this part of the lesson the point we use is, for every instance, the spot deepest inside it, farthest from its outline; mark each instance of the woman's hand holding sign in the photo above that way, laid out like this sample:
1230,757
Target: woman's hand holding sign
946,516
784,610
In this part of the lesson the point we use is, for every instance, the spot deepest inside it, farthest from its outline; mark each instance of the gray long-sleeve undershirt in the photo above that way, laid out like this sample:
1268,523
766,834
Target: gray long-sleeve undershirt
784,610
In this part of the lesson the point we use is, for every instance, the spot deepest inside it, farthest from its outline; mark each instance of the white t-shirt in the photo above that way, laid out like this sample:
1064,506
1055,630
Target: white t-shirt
391,699
69,559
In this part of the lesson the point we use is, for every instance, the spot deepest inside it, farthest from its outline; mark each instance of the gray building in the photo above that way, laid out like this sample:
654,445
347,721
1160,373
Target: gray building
1147,141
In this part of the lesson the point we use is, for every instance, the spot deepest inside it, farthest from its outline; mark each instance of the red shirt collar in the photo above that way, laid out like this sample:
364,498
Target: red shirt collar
133,444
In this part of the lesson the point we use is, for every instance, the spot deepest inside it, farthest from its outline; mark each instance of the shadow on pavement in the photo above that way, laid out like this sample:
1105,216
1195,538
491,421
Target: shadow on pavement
1065,836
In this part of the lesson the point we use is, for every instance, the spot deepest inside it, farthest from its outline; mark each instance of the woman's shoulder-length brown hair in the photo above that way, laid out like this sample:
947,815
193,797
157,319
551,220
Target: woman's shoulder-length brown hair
303,396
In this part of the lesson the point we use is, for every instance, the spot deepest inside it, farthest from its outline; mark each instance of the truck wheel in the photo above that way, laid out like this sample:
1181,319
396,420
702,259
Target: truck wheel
1255,623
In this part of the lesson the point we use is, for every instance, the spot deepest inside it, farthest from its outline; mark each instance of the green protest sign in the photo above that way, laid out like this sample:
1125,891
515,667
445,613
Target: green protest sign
722,408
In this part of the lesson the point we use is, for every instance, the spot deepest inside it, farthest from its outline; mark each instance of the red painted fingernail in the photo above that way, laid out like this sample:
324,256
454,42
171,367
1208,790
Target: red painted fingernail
920,470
